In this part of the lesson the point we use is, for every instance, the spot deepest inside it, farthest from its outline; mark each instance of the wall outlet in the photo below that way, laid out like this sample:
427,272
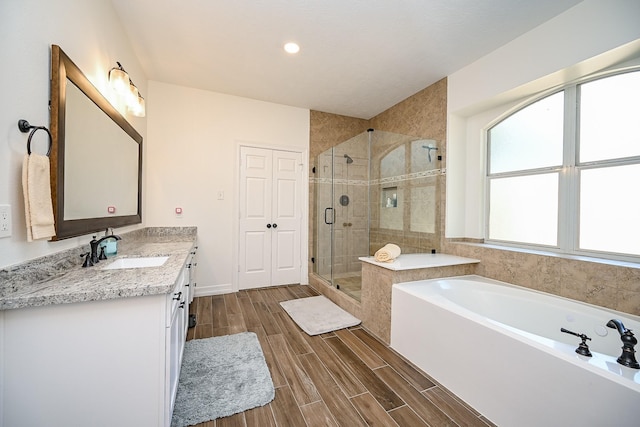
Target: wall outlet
5,220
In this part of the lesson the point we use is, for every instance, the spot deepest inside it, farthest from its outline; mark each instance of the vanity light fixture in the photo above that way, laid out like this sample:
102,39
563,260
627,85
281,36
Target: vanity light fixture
127,91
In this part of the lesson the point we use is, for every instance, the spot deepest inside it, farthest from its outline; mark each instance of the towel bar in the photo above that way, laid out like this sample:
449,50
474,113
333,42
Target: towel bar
24,127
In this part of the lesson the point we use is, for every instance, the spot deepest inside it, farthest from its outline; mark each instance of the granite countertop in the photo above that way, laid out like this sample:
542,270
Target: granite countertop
60,278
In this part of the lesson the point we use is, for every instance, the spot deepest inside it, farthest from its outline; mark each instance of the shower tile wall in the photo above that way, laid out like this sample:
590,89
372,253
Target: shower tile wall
422,115
404,193
326,131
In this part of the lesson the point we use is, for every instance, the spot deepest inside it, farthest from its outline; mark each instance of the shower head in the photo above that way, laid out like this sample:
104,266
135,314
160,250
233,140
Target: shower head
429,148
349,159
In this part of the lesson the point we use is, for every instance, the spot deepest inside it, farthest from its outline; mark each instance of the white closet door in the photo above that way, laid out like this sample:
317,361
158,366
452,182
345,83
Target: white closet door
286,215
255,214
270,217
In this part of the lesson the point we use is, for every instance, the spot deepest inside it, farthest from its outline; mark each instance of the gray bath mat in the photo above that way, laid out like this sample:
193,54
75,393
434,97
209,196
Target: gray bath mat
221,376
317,315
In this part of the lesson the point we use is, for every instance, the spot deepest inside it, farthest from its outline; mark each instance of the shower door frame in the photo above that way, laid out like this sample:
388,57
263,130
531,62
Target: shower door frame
324,216
326,212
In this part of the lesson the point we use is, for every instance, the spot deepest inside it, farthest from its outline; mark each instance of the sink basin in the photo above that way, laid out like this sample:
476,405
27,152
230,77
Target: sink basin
138,262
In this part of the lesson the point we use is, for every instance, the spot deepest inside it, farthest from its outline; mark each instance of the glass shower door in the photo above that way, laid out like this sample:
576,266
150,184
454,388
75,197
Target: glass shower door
351,204
342,213
324,216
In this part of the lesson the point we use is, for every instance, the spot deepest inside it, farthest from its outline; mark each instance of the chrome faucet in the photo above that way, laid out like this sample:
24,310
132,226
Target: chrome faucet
627,358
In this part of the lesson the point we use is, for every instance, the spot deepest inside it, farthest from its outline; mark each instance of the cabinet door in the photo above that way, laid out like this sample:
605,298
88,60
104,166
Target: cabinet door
177,334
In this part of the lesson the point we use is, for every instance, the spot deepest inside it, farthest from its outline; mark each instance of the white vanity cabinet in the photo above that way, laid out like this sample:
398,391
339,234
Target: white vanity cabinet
112,362
178,324
176,333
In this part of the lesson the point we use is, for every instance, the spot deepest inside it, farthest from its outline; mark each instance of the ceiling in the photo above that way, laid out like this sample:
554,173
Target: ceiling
357,57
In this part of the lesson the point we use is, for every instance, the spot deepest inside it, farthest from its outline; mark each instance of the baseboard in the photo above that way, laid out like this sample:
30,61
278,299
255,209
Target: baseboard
225,288
203,291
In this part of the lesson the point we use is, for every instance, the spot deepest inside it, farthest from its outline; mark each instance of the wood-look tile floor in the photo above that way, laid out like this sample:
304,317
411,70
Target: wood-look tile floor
345,378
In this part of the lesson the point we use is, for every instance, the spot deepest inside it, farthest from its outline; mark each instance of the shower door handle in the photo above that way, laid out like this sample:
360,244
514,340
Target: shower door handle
325,216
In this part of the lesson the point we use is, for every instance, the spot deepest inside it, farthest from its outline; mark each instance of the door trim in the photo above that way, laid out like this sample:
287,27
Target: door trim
304,231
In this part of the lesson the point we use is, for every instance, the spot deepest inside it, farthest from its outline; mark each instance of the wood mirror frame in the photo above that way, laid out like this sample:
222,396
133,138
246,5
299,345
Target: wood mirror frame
62,71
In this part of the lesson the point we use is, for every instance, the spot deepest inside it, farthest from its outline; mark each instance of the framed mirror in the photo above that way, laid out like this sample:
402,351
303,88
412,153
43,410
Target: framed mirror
96,158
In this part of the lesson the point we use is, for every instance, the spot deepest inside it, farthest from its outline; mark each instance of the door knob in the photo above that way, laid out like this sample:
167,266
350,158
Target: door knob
275,225
268,225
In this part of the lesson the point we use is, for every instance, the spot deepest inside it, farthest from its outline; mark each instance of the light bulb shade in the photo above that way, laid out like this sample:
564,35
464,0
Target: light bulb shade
139,109
132,95
119,80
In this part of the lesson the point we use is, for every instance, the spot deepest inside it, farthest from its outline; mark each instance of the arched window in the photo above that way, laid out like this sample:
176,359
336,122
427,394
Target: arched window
564,171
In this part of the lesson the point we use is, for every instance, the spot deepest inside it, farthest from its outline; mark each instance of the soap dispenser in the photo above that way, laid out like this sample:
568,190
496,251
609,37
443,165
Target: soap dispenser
110,245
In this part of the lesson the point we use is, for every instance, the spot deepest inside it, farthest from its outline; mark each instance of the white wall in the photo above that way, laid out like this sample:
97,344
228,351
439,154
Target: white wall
192,154
589,37
90,33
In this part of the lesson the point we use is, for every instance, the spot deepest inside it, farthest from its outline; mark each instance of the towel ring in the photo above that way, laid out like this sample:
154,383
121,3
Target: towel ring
24,127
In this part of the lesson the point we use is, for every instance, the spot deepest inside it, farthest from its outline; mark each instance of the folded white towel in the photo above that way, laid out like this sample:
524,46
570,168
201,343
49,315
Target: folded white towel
387,253
36,189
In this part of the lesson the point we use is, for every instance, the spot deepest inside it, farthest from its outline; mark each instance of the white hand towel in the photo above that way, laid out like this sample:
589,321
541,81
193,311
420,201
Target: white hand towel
387,253
36,189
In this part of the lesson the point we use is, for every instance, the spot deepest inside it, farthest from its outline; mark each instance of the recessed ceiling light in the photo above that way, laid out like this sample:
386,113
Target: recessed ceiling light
291,47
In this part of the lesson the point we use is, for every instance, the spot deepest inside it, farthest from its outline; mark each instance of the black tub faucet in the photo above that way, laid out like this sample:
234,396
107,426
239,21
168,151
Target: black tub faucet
628,357
583,348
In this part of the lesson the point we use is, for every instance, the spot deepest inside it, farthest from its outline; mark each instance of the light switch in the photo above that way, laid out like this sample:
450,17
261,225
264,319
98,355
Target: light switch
220,195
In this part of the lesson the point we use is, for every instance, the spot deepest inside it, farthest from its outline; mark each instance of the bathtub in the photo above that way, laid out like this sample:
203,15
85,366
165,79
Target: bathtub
499,348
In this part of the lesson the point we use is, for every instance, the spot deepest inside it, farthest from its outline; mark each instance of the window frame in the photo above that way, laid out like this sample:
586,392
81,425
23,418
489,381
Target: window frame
568,221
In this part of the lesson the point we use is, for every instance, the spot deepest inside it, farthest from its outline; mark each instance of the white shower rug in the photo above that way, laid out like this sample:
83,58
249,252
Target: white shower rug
317,315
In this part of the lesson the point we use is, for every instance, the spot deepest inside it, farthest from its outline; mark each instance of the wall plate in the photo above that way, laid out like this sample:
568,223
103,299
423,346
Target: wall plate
5,220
